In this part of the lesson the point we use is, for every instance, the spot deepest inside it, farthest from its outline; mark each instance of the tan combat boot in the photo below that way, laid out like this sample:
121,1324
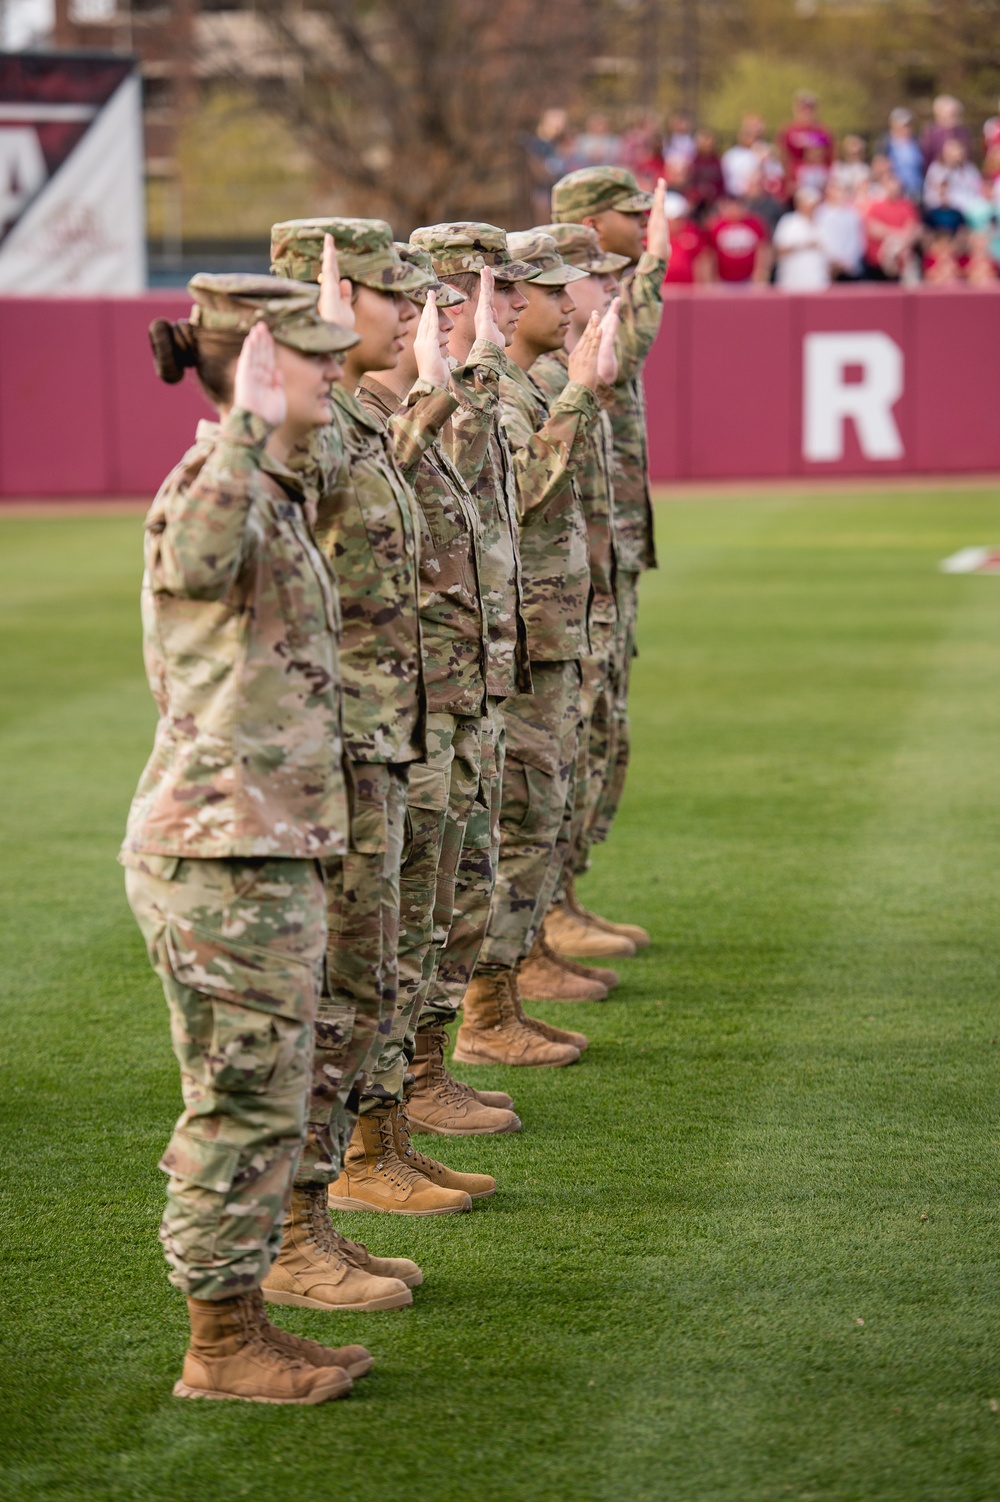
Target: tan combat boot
478,1186
312,1270
493,1033
566,933
444,1106
498,1098
356,1361
579,1041
380,1267
232,1355
542,977
639,936
374,1176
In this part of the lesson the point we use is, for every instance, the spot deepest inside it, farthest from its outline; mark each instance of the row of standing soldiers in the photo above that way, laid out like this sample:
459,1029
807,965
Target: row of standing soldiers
389,610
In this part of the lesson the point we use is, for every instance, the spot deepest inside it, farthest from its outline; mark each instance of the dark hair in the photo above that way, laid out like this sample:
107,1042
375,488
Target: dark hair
465,281
210,353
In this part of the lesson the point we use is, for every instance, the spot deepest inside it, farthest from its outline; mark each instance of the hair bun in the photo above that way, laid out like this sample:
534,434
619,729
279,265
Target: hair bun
174,348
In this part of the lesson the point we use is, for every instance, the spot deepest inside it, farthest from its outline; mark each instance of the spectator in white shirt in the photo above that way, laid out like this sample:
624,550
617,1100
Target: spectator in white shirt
841,233
952,184
741,161
852,172
803,264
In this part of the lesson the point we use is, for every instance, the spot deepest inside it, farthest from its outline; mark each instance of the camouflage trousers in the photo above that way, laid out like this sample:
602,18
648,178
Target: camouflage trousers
238,945
359,997
440,798
619,735
543,733
596,707
475,879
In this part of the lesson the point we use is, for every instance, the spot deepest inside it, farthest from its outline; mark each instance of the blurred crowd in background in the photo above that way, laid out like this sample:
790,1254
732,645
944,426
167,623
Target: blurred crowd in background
796,206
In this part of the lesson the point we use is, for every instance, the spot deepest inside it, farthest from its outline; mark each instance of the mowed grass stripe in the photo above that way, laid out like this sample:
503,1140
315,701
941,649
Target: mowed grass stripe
663,1300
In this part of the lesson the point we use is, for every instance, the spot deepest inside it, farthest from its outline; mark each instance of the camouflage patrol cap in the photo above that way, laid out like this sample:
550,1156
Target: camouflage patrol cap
579,246
444,296
235,301
465,246
365,253
592,190
541,251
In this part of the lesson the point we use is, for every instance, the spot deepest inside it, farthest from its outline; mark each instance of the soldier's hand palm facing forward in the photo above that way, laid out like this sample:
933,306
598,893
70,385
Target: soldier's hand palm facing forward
487,326
658,230
334,295
583,361
431,363
258,385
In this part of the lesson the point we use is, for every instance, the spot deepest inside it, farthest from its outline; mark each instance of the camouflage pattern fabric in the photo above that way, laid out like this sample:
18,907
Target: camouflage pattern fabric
641,312
475,879
238,946
579,245
592,762
439,800
451,610
365,253
363,914
593,190
619,735
548,445
234,579
476,445
235,301
542,735
468,246
366,524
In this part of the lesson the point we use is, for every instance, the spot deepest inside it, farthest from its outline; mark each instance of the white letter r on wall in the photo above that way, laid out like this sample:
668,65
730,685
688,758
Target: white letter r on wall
829,399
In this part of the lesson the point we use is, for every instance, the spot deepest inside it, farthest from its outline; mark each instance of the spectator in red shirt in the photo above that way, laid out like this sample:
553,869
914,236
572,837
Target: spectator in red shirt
687,242
738,244
705,180
892,229
805,133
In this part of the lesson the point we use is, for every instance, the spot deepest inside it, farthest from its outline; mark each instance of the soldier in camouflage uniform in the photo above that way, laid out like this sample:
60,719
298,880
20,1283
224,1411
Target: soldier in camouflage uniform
609,200
471,256
226,832
367,523
544,975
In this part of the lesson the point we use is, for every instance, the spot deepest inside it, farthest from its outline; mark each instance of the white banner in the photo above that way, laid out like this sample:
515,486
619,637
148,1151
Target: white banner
81,230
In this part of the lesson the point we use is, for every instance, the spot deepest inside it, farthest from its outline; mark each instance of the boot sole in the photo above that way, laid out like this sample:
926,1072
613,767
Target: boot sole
182,1390
440,1131
601,995
387,1301
465,1058
351,1204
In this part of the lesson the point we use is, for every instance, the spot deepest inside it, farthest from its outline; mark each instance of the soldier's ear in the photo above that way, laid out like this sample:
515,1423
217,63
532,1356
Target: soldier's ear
590,220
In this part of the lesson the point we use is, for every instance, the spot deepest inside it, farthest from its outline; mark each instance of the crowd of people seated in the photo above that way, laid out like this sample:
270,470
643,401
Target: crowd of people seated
801,209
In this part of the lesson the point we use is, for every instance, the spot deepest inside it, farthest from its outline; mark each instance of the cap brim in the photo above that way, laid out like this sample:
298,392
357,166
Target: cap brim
633,203
401,278
318,339
559,276
515,271
605,263
444,296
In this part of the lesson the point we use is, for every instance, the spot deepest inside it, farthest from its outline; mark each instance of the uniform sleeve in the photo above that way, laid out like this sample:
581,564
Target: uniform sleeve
415,425
476,388
546,458
641,311
204,538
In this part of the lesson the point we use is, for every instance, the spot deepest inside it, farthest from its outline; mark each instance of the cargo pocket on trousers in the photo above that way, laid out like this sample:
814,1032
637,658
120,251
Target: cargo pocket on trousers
427,787
261,980
203,1161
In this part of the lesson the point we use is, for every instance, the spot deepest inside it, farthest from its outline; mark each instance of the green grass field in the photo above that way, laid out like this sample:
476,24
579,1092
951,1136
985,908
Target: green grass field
747,1249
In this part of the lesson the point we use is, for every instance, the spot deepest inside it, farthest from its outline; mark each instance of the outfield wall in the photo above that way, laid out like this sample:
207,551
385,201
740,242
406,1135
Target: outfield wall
742,383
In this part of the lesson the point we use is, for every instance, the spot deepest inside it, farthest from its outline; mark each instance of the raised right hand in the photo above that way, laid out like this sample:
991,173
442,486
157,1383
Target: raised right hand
583,360
486,317
658,230
258,385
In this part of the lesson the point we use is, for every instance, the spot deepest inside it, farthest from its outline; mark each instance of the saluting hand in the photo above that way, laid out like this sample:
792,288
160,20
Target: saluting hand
334,296
486,315
607,359
583,360
431,363
259,386
658,231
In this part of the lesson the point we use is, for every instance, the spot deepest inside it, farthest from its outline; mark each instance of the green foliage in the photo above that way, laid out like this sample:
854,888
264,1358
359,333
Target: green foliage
762,83
746,1249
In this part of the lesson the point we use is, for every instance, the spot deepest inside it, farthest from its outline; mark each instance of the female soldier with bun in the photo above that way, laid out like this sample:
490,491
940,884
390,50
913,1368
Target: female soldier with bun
241,798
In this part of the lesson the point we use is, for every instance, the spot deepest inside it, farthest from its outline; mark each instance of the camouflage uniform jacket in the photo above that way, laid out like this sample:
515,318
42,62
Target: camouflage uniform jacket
549,445
475,443
240,625
366,523
642,309
451,609
595,483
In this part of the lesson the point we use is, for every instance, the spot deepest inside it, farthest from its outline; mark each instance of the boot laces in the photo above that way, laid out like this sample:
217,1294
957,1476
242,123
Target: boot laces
321,1231
389,1163
439,1082
256,1328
